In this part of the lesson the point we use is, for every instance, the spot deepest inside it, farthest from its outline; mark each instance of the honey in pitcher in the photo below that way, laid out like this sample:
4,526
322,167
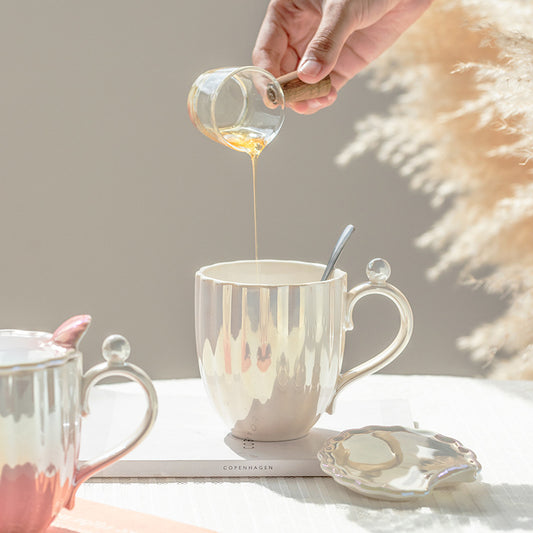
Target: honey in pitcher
249,140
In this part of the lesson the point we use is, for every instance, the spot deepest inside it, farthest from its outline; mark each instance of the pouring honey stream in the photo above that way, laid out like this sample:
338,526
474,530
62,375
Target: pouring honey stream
244,107
252,142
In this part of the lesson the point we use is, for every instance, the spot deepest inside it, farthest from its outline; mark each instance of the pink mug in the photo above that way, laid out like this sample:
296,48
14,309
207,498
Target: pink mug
43,397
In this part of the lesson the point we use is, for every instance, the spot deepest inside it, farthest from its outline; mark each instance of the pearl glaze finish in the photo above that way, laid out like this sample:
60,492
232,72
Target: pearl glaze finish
43,396
270,341
396,463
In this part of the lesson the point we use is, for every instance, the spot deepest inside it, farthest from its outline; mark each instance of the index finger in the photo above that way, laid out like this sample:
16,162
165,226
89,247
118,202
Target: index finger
271,44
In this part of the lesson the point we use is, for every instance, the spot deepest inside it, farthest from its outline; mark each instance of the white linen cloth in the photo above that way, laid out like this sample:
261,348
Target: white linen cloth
493,418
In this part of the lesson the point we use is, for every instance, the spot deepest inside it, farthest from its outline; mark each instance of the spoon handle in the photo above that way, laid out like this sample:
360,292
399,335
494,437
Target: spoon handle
345,235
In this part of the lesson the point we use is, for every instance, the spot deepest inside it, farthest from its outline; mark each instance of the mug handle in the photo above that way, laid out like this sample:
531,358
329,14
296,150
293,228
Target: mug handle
116,350
378,272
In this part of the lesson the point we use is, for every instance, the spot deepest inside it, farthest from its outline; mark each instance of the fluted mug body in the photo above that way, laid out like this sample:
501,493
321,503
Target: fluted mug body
39,437
270,342
43,397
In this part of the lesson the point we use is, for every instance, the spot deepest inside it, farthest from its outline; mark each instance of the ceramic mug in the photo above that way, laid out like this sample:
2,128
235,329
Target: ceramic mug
43,397
270,341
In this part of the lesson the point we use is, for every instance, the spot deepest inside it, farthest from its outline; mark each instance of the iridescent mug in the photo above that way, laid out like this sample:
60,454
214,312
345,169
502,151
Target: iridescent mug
43,397
270,341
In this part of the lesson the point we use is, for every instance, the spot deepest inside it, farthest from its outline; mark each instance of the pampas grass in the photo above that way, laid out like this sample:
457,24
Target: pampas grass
462,132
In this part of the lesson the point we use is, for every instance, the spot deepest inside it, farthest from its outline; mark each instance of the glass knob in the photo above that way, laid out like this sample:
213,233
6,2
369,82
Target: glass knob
378,270
116,349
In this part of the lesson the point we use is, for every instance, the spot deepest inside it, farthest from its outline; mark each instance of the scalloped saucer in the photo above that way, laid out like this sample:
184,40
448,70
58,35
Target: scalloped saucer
396,463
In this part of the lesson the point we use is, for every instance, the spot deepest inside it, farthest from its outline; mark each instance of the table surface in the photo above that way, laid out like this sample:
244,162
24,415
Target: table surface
493,418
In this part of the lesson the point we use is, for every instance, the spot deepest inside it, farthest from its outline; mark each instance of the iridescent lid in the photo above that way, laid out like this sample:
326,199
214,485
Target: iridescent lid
25,347
396,463
24,350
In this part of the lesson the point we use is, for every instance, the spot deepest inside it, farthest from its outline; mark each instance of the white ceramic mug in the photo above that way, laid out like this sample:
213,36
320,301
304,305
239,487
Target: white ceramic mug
270,341
43,396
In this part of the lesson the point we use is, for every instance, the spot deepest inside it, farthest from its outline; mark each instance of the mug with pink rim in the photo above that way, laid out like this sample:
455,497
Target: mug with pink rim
270,341
43,397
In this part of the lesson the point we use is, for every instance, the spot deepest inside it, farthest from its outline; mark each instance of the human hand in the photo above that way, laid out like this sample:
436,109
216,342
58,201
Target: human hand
336,37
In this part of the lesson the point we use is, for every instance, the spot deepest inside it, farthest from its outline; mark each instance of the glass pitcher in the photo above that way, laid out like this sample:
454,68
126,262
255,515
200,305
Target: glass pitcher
244,107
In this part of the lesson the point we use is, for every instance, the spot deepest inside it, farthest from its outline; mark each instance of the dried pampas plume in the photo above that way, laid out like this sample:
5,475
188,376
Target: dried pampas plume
462,130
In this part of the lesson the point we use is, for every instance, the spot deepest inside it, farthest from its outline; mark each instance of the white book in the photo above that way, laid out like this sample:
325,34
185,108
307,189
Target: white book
189,439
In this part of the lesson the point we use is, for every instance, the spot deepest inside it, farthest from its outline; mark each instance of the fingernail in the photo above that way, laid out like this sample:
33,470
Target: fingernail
310,67
314,104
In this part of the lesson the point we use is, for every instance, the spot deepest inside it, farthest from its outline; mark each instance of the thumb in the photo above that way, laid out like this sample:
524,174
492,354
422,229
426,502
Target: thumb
324,48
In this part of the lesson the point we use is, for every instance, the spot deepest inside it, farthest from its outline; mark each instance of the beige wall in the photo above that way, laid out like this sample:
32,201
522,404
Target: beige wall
111,199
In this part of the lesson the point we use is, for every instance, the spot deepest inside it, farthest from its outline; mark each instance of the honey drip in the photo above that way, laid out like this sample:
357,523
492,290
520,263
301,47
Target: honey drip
252,142
254,161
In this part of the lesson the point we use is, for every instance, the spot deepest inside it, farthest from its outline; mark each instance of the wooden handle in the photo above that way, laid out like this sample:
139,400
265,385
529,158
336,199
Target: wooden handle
295,90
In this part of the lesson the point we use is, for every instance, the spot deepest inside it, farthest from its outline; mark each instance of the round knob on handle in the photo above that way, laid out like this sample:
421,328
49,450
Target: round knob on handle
116,349
378,270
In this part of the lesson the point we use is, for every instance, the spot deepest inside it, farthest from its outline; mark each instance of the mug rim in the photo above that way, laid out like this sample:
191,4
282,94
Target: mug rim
337,274
57,360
